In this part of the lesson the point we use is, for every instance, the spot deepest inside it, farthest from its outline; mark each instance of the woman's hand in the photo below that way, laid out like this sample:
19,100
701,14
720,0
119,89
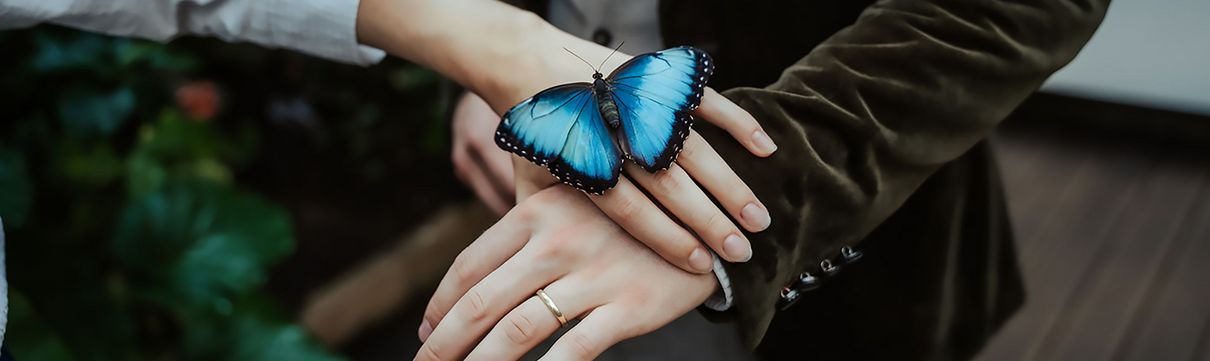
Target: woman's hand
506,55
556,240
478,162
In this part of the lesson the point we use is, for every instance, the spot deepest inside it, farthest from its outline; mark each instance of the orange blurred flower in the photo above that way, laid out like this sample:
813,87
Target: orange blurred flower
199,99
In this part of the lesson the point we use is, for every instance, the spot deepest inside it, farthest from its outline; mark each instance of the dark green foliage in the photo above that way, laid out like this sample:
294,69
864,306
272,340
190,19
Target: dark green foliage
129,235
15,188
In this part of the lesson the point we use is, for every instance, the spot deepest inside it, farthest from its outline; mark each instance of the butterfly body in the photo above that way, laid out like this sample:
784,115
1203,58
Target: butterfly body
581,132
605,103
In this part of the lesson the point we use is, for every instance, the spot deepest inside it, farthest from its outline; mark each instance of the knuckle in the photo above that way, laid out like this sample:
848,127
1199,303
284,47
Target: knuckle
744,122
476,306
433,314
520,330
582,347
666,181
527,211
680,247
462,271
430,352
564,236
561,243
628,209
553,249
690,151
718,224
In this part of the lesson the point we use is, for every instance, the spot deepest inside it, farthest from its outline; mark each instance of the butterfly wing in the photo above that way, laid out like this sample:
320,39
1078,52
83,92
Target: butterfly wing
562,129
654,93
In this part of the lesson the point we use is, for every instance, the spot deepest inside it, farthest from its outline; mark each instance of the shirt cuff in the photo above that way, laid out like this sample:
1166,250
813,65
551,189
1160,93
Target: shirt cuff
721,300
325,28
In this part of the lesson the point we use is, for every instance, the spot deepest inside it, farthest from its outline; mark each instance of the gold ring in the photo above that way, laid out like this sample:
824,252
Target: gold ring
550,305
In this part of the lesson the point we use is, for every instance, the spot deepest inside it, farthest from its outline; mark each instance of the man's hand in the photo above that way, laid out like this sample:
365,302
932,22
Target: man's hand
670,210
477,161
556,240
506,55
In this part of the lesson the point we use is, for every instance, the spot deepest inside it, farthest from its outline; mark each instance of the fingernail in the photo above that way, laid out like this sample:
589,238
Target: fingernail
737,249
700,261
763,142
756,217
425,330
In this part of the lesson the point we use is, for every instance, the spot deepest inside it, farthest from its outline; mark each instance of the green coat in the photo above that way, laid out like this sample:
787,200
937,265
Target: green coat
880,111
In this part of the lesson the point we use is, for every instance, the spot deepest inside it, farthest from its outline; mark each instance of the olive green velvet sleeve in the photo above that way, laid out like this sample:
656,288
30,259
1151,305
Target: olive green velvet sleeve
869,114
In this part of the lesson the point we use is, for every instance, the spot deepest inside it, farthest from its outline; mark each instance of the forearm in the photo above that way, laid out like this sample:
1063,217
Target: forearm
487,46
872,112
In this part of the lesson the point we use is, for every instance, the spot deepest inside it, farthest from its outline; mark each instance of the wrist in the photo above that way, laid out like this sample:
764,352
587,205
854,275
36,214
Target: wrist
487,46
515,64
544,61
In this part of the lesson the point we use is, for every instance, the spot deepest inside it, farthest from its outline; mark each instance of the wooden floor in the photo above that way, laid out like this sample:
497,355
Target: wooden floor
1114,238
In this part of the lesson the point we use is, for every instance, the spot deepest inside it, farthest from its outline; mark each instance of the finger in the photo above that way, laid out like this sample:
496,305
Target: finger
709,169
500,164
681,196
461,162
487,253
604,327
472,174
724,113
487,185
487,192
485,304
532,322
627,206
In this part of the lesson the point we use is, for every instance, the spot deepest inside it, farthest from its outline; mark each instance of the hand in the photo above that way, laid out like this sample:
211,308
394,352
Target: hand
477,161
682,189
485,308
506,55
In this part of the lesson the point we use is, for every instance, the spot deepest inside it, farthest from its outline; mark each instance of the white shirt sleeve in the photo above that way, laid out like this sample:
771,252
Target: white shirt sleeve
323,28
721,300
3,287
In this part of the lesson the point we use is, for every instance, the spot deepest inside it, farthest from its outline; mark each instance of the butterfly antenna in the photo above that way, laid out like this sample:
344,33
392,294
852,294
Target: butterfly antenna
581,59
615,50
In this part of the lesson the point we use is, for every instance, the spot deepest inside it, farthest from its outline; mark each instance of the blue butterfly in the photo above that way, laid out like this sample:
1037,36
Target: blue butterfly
581,131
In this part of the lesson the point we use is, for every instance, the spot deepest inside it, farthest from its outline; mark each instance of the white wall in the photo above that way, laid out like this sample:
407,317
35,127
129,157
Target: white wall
1153,53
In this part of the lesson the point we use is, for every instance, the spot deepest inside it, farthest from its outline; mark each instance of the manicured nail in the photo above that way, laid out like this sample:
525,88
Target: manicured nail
737,249
756,217
425,330
700,261
763,142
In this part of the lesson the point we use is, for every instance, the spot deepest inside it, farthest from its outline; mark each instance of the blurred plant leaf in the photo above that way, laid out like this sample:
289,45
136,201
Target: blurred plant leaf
144,174
130,52
93,167
16,190
201,251
83,51
257,331
180,149
88,113
199,244
263,340
104,55
173,138
28,335
172,266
